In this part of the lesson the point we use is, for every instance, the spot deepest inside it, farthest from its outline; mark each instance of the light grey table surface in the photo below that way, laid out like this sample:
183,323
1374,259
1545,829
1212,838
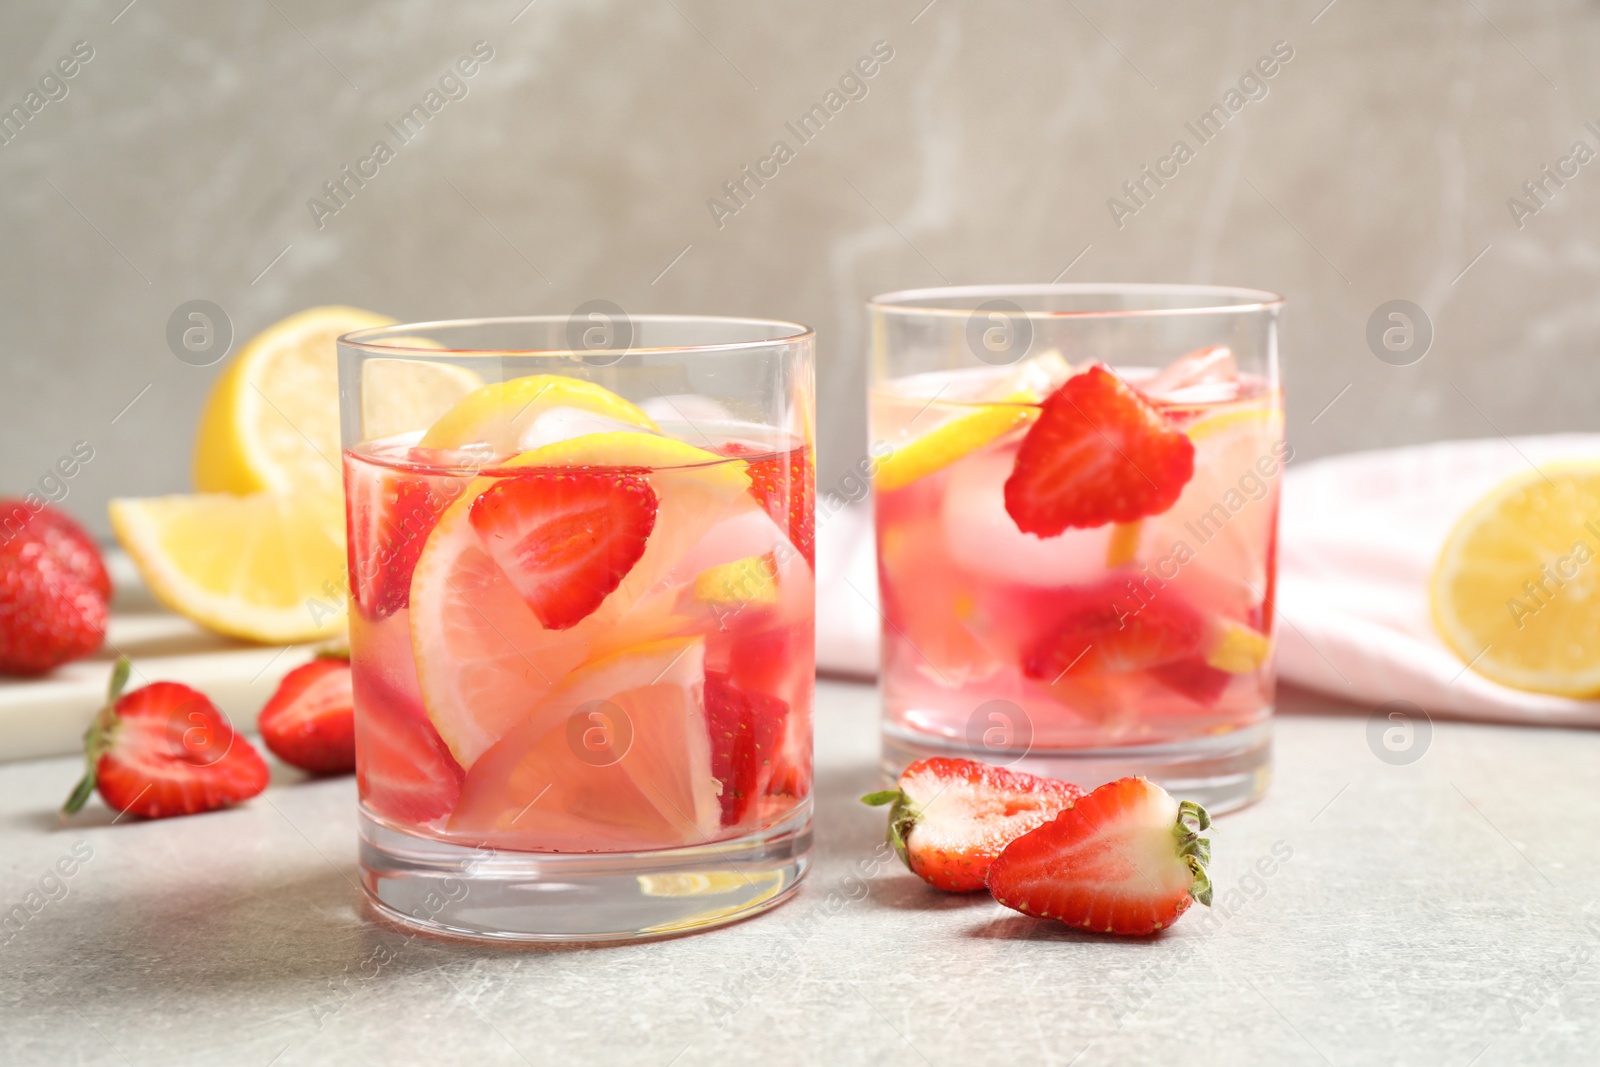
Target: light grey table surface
1441,912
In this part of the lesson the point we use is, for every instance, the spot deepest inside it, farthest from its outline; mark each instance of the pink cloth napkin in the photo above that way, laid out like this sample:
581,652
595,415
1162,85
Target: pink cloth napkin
1358,539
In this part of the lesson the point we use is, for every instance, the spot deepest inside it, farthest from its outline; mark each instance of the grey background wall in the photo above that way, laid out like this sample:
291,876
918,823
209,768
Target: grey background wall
1377,165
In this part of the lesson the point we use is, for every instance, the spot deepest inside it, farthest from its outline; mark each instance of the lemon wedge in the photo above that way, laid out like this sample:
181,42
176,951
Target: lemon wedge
1516,588
499,414
1238,649
752,580
264,567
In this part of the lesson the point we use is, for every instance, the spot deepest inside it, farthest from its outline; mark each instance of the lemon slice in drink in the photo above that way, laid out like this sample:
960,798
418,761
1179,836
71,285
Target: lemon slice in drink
617,757
950,441
501,414
483,657
997,406
1516,588
259,567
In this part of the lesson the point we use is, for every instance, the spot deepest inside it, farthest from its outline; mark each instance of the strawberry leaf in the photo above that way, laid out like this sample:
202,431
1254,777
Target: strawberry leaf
97,738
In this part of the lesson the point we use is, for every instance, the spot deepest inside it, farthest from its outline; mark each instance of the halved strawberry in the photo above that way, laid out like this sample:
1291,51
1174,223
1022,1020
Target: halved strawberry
310,720
785,484
952,817
1098,453
1126,859
746,729
389,517
403,769
1108,629
566,538
164,750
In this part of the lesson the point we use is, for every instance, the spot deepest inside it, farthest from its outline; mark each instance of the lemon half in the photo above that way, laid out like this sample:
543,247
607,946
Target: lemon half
271,422
1516,588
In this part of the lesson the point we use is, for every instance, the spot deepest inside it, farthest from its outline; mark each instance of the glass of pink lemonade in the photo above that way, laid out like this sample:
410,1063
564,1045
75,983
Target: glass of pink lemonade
1076,523
580,566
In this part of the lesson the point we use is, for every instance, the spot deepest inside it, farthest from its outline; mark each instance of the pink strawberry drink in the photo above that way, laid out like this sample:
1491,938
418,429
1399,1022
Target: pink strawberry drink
1076,561
581,620
649,690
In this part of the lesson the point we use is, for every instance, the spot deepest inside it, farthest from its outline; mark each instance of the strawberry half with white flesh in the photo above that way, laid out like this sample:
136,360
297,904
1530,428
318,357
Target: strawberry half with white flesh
164,750
952,817
1126,859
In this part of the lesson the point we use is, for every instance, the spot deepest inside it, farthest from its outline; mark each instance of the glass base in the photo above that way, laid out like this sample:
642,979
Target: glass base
595,896
1222,772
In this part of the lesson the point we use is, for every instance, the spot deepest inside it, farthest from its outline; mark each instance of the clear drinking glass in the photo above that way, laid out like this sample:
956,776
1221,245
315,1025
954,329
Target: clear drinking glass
1076,565
581,630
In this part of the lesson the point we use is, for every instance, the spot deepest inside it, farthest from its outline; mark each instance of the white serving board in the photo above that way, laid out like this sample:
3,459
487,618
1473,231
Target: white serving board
47,716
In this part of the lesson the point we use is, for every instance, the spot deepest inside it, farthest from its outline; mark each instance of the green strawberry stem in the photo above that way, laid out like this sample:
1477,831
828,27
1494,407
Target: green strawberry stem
97,738
1194,849
902,817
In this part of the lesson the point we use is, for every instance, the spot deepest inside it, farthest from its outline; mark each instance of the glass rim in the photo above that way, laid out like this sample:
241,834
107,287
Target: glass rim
905,301
365,338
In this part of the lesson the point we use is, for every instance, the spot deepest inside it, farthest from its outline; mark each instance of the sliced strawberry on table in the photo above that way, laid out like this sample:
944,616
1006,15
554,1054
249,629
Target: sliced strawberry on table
1107,629
952,817
164,750
403,769
785,484
388,521
1098,453
746,730
309,721
565,538
1126,859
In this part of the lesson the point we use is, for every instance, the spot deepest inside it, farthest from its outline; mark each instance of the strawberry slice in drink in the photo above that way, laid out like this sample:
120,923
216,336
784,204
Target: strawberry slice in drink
746,729
566,539
403,769
387,521
1098,453
1107,629
784,484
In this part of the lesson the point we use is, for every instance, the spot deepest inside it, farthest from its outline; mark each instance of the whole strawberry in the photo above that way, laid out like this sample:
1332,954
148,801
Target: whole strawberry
310,721
164,750
1126,859
53,590
952,817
